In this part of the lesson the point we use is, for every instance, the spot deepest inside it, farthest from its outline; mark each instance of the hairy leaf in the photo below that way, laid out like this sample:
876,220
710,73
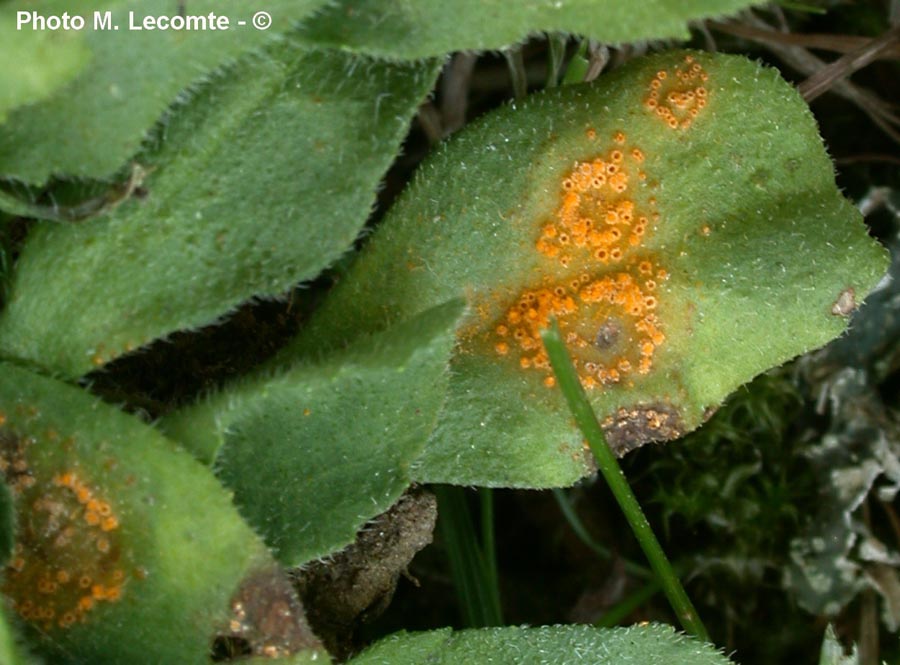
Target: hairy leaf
91,126
410,29
44,61
653,644
11,651
127,549
680,219
262,180
315,452
10,205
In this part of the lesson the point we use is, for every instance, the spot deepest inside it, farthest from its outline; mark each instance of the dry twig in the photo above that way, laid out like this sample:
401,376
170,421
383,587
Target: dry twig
799,58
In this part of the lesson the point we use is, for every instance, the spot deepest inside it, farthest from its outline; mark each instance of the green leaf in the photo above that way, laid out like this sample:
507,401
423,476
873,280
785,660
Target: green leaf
44,62
127,549
410,29
653,644
11,651
263,179
680,262
91,126
302,658
9,204
313,453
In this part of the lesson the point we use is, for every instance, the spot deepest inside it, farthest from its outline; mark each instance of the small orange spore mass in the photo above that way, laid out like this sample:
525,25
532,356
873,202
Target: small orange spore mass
66,542
678,96
596,213
599,288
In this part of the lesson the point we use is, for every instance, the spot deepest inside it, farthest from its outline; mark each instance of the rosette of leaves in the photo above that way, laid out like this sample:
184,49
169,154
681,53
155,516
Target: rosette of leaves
672,276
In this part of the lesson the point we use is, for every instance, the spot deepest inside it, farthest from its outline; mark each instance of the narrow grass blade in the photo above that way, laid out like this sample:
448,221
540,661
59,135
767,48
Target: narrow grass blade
584,417
479,600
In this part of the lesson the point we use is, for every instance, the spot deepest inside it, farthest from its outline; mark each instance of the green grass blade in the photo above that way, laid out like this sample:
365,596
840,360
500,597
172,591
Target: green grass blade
488,541
557,53
568,511
627,605
584,416
479,601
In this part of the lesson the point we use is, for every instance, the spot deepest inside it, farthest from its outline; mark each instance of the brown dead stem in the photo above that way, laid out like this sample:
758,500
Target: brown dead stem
824,42
833,77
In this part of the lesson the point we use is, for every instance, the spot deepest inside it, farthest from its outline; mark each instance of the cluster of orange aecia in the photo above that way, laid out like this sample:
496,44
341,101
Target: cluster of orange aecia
67,558
606,303
677,97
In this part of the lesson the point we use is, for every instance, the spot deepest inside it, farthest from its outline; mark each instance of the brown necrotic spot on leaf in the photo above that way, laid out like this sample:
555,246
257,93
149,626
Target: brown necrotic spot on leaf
608,334
68,558
632,427
845,303
677,95
267,618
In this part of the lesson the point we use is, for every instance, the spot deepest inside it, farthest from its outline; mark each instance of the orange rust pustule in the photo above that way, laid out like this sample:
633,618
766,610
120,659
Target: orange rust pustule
68,557
606,307
598,216
677,96
609,324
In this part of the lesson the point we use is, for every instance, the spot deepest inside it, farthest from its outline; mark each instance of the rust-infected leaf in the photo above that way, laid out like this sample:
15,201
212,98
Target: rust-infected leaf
659,215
